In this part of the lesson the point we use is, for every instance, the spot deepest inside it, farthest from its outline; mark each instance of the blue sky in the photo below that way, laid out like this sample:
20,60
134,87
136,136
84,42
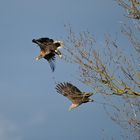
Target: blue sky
30,108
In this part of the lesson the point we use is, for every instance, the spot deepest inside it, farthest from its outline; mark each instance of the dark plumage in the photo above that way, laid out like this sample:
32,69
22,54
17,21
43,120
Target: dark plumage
74,94
48,49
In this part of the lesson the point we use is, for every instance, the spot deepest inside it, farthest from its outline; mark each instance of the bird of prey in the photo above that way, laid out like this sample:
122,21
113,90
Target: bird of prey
73,94
48,49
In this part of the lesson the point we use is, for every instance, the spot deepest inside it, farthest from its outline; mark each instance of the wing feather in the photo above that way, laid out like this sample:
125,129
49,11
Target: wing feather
45,40
67,88
44,43
70,91
48,45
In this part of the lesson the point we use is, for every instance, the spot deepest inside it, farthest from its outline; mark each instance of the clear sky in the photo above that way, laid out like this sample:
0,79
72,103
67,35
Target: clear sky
30,108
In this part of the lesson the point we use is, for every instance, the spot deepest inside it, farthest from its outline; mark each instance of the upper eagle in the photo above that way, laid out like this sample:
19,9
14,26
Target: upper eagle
48,49
74,94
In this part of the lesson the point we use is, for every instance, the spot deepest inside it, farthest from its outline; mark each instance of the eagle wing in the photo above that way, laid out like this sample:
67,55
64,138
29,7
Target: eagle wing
44,43
70,91
51,59
45,40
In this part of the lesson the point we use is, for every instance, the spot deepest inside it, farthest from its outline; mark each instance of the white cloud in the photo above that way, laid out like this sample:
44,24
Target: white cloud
8,130
38,118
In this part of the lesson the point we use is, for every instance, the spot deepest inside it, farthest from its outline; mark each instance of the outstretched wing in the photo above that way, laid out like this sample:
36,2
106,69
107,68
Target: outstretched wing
43,43
70,91
51,59
45,40
48,45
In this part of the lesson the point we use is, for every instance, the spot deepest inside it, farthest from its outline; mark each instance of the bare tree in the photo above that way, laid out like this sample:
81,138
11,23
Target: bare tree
105,68
131,7
110,70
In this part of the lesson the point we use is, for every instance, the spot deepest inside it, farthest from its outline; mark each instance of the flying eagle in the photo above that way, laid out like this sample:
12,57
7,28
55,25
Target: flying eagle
48,49
74,94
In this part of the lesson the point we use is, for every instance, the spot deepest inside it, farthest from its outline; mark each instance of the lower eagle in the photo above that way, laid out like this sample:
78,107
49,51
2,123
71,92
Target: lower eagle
48,49
73,94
